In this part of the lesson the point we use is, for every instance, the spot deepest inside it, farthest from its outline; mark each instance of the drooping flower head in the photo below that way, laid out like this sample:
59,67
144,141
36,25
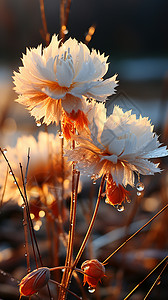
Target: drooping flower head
94,271
59,78
34,281
120,146
44,178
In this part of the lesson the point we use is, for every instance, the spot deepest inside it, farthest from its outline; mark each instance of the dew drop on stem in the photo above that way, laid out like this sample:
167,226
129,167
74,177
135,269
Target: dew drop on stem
4,150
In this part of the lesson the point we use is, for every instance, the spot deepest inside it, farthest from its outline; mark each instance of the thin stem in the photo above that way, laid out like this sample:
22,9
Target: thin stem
123,244
26,206
26,239
4,187
128,296
91,223
67,12
156,281
65,289
44,31
67,274
62,18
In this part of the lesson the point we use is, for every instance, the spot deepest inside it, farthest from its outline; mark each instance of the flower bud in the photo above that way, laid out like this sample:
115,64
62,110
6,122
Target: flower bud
115,194
94,271
34,281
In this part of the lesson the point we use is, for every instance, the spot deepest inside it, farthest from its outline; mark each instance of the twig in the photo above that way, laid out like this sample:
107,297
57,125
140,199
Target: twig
4,188
27,166
91,223
66,290
26,206
156,281
128,296
123,244
44,31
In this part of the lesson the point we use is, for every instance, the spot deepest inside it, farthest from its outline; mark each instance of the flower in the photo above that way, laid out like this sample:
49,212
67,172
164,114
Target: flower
44,179
115,194
34,281
120,146
94,271
59,78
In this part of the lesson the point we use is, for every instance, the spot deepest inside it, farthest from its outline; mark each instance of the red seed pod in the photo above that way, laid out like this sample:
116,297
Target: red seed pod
34,281
94,271
115,194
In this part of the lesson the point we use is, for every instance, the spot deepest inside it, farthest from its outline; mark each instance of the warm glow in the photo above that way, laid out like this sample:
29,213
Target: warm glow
5,254
91,30
37,225
41,213
32,216
88,38
63,27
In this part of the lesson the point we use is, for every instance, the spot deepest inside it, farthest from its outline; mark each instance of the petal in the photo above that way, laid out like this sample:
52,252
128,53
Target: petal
102,89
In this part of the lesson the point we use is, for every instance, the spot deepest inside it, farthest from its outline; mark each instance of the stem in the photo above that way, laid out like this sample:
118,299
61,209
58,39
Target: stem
123,244
26,239
67,274
4,188
44,31
128,296
91,223
65,289
156,281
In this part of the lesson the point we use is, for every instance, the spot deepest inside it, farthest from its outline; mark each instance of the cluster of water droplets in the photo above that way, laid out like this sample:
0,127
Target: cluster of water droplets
94,177
3,273
140,188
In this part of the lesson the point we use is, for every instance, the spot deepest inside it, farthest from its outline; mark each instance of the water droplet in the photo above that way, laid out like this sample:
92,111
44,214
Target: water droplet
120,207
23,206
91,289
94,181
10,172
63,270
60,133
4,150
128,200
139,194
159,282
140,186
14,182
38,123
12,279
25,254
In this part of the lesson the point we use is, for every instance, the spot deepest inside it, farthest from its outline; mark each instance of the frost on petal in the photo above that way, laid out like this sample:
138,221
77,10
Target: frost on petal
58,71
102,89
120,147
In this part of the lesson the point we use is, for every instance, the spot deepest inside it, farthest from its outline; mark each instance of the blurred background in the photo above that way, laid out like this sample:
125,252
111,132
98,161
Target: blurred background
134,35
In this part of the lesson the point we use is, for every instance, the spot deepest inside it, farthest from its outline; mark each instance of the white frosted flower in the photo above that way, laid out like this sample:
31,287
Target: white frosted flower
59,77
44,172
118,147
